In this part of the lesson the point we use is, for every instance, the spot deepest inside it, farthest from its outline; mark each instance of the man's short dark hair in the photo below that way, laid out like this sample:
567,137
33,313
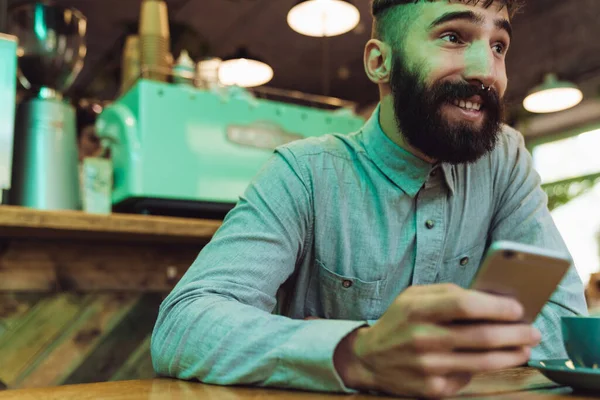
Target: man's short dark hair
379,6
382,8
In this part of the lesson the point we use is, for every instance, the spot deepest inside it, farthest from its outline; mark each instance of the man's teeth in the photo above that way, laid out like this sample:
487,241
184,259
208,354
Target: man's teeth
467,105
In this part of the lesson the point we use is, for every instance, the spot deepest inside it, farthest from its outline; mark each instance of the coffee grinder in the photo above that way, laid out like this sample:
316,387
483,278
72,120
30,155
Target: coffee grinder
51,54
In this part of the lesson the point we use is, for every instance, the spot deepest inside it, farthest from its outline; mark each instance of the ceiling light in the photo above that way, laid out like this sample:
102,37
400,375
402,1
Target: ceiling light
323,17
245,70
552,96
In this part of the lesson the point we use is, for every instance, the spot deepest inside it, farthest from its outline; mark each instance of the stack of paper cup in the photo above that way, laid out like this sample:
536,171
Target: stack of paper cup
154,40
130,64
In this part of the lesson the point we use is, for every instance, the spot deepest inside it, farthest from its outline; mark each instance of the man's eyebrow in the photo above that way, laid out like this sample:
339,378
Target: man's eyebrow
470,16
504,24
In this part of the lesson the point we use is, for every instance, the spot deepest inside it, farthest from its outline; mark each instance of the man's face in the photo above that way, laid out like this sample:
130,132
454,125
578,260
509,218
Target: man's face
449,51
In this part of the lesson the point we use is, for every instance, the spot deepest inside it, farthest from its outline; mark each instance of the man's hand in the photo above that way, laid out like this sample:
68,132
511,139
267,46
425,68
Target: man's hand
417,348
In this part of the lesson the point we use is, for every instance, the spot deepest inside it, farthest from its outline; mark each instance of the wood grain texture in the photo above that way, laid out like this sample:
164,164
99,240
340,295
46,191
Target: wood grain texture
139,364
71,338
506,384
116,346
14,308
55,265
102,314
21,347
26,222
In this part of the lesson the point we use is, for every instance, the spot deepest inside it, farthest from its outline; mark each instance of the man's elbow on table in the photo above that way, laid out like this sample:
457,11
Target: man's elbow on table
175,332
164,343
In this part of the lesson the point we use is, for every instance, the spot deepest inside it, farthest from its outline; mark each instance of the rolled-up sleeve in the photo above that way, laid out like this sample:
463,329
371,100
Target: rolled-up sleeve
218,325
522,215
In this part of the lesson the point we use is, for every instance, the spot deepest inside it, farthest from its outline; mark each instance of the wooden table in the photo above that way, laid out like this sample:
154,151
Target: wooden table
521,383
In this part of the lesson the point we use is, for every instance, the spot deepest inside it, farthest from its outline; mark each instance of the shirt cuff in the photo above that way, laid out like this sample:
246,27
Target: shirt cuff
308,357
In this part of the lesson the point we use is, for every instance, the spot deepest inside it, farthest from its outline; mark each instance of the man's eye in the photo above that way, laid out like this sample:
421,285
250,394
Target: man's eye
500,48
451,37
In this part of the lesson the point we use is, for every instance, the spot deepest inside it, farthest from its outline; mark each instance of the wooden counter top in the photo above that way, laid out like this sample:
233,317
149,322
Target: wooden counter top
25,222
522,384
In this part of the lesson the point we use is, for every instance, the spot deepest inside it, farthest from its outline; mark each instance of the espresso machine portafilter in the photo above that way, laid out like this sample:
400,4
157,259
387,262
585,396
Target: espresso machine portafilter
51,54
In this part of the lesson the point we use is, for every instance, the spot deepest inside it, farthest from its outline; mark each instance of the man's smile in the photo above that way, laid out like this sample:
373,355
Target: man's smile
461,110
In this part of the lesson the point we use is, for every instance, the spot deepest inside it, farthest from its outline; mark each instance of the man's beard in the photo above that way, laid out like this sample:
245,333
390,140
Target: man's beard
418,111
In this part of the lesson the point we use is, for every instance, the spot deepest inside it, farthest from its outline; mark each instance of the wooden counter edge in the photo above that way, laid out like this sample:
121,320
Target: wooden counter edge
514,383
26,222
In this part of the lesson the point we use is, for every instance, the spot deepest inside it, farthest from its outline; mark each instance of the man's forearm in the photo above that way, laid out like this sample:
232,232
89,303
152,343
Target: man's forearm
222,341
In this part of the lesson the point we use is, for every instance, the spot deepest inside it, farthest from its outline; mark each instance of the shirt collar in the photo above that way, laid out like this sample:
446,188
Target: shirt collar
406,170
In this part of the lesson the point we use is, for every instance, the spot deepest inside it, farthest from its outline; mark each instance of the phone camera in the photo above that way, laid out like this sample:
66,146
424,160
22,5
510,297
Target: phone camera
509,254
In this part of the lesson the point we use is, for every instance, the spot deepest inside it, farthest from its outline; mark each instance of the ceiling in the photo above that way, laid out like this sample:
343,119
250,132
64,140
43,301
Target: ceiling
550,35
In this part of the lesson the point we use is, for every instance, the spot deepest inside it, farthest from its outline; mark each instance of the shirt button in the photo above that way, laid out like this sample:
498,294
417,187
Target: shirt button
347,283
464,261
429,224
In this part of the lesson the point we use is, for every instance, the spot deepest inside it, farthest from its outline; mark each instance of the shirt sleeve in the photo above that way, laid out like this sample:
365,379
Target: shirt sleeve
218,324
522,215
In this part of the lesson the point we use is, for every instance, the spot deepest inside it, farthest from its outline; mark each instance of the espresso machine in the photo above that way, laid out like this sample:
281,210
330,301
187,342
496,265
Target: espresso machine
185,151
51,53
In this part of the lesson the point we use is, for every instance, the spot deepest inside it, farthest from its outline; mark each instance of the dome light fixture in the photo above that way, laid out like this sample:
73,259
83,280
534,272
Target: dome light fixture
552,96
245,70
320,18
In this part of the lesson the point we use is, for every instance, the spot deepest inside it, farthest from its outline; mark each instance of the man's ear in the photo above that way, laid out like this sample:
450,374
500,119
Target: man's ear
378,61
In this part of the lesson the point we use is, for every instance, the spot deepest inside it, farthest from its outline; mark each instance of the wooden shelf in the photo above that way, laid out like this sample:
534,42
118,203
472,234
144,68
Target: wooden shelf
26,222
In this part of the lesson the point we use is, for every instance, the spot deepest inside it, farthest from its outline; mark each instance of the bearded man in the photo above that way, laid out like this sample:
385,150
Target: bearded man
346,264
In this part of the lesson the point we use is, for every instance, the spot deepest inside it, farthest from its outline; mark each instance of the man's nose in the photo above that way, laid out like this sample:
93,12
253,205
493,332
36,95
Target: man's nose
479,64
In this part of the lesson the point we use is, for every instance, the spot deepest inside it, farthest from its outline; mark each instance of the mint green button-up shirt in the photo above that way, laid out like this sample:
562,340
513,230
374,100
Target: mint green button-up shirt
337,227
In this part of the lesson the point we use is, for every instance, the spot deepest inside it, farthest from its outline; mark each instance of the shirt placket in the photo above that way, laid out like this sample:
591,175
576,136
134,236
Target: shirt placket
430,231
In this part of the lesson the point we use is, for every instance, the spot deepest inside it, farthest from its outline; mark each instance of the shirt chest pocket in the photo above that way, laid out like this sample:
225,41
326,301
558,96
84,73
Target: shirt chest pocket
336,296
462,267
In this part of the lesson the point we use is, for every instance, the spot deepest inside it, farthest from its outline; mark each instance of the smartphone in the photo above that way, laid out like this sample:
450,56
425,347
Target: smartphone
526,273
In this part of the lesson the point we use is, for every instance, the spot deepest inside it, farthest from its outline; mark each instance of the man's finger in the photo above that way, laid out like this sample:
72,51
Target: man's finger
423,338
493,336
464,362
465,305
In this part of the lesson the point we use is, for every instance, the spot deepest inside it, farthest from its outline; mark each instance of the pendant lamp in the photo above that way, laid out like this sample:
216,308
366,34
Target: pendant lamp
552,96
245,70
320,18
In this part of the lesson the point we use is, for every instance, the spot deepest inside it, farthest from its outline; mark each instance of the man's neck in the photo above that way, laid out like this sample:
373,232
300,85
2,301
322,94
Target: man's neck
387,120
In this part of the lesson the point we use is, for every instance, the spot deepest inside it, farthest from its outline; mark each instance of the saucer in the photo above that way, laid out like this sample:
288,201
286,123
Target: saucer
563,372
